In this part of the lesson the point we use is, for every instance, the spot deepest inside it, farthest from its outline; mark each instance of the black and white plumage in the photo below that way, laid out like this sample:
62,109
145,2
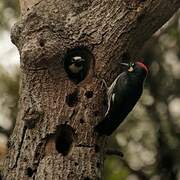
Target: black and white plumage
76,65
123,94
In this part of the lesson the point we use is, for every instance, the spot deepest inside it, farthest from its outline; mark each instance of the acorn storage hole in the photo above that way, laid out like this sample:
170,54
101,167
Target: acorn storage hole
81,121
89,94
96,113
72,98
64,139
41,42
77,63
29,172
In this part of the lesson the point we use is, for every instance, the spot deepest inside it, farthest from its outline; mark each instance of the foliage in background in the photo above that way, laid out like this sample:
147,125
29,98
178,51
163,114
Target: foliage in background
9,10
9,82
9,88
150,137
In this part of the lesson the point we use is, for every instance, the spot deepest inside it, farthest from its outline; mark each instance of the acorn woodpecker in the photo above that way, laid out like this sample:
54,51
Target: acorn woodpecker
76,65
123,94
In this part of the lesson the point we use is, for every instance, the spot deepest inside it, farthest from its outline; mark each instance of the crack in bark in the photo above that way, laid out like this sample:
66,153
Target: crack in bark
40,153
73,113
20,145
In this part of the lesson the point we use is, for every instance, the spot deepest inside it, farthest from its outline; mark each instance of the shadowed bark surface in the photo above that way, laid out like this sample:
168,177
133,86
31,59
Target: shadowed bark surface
56,116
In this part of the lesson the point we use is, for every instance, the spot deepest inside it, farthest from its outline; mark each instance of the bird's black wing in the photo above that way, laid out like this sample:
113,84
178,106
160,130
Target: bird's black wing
116,97
114,90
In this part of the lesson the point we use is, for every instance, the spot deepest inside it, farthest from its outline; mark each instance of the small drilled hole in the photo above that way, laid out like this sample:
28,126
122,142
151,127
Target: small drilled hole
29,172
81,121
41,42
96,113
72,99
64,139
76,164
89,94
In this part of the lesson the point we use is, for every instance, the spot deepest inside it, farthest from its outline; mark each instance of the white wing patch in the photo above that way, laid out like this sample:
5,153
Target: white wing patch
77,58
113,97
110,89
110,95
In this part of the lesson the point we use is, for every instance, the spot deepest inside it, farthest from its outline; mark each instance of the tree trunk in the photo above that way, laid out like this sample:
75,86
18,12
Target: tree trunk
54,136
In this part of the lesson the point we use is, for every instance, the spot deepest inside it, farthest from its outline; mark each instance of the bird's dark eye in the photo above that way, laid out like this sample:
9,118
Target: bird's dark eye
131,64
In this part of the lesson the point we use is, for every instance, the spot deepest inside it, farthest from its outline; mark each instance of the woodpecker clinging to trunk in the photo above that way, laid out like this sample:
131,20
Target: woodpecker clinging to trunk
123,94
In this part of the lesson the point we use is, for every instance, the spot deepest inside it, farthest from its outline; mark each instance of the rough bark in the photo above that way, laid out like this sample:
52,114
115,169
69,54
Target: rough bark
112,31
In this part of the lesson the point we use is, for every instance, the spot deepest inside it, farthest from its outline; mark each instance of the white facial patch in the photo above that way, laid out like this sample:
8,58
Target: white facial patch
131,69
77,58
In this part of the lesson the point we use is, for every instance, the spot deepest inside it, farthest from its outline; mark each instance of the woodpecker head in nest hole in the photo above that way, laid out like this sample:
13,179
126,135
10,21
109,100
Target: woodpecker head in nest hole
76,64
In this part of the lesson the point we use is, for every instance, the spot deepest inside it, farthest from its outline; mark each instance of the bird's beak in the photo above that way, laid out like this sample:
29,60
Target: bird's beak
82,60
125,64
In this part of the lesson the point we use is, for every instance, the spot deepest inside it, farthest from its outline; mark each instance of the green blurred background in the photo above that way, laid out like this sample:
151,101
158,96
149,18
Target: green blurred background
150,137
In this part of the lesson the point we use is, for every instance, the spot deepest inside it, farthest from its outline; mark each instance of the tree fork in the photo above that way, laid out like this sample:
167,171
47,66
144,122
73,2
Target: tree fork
54,136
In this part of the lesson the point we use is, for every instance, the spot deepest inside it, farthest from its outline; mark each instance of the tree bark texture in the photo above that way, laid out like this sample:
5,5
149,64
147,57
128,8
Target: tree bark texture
111,31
